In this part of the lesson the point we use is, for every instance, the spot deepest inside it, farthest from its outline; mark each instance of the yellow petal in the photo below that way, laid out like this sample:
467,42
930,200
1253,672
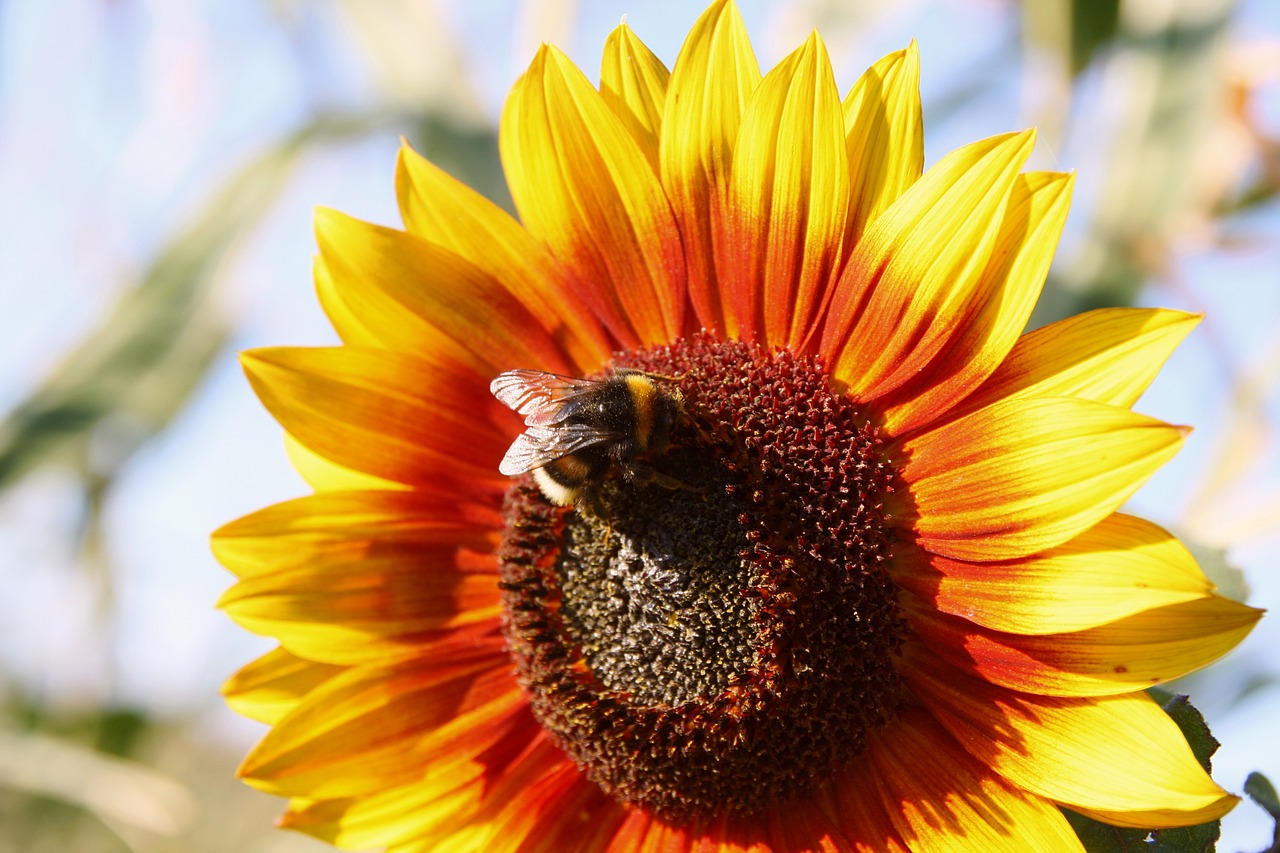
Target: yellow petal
352,577
338,527
381,413
1120,757
373,728
584,188
352,327
788,199
422,809
1129,654
446,212
367,612
1119,567
985,328
417,298
942,799
884,134
713,78
917,263
273,685
325,476
634,84
1022,476
1109,355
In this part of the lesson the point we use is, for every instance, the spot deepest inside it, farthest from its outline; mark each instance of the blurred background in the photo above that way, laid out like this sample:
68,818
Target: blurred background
158,163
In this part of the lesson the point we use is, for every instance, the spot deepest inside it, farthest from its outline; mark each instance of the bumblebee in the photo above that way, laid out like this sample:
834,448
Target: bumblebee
581,432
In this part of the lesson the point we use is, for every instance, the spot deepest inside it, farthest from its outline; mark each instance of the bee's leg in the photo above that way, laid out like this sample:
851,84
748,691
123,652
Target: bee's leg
643,475
591,503
660,479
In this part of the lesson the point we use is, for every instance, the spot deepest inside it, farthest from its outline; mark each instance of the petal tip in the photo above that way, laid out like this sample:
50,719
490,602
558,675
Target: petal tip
252,359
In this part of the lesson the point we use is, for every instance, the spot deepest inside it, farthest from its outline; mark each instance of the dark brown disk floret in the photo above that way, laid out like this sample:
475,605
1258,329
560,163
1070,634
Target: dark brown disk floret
724,634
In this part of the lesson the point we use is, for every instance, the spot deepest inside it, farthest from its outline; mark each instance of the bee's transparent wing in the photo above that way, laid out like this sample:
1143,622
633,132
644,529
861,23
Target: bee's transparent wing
537,395
541,445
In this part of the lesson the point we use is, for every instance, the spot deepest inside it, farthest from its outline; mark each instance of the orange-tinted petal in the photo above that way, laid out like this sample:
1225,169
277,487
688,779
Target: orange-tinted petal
538,801
382,413
1022,476
354,577
377,727
368,610
418,810
629,835
810,822
1121,757
345,527
1119,567
422,813
788,199
867,824
884,134
1129,654
448,213
421,299
558,811
713,78
917,265
634,84
584,188
986,327
940,798
1109,355
271,686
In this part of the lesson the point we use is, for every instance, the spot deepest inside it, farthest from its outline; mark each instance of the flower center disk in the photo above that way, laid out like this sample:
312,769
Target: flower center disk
722,633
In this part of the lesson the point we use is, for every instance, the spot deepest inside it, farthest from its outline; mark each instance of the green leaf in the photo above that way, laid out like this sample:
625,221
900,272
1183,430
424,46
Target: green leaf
1191,722
1261,791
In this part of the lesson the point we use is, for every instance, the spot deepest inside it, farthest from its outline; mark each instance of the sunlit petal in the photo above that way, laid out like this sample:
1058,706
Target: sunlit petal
584,188
787,201
1119,567
885,136
989,323
942,799
713,78
1129,654
1109,355
634,84
1024,475
1121,755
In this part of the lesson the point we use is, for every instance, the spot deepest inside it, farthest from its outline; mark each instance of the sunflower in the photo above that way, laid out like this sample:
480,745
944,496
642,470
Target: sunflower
873,593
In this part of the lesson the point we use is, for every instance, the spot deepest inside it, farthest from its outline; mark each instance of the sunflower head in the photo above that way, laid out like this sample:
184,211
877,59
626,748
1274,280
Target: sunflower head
776,531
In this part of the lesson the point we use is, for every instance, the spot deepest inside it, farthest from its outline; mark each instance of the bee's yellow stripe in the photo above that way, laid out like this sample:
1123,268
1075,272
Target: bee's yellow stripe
643,393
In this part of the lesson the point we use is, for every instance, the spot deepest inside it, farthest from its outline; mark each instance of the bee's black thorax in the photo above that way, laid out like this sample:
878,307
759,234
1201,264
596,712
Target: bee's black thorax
612,407
634,410
583,432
